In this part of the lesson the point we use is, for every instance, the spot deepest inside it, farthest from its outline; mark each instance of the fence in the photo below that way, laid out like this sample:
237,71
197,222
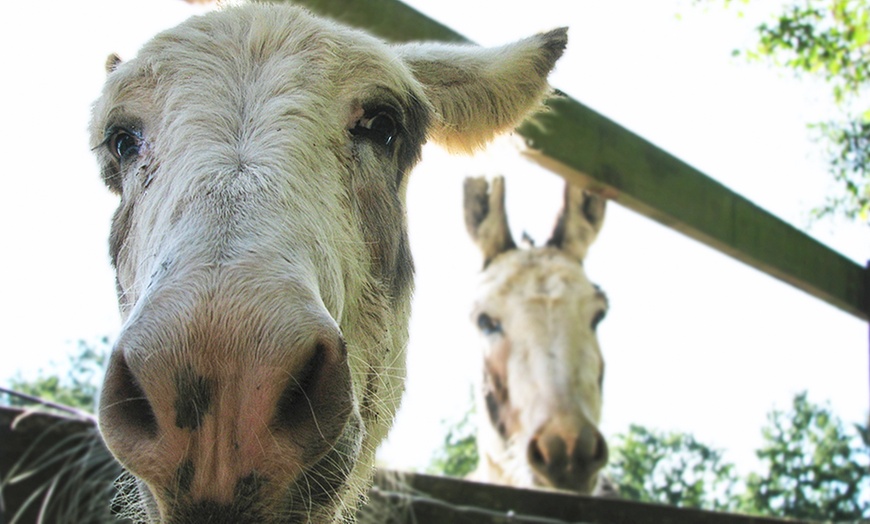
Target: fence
587,148
59,468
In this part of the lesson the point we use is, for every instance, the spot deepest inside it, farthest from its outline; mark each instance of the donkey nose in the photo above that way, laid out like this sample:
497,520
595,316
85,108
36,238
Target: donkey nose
220,423
567,456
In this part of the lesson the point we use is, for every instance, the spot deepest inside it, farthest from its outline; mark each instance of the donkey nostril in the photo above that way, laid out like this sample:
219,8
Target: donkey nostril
317,396
294,405
123,402
536,456
317,400
601,452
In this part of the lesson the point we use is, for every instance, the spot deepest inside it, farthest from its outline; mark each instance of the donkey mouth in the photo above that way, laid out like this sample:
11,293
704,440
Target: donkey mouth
313,497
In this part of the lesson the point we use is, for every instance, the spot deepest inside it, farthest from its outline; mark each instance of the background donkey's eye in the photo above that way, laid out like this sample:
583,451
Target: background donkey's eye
124,144
487,325
381,127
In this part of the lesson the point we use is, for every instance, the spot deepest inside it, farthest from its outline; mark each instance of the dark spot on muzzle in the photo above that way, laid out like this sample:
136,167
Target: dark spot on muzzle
184,476
498,403
245,508
214,513
194,398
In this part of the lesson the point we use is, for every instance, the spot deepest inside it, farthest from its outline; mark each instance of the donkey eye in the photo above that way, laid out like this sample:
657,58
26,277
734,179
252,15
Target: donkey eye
598,318
487,325
381,127
124,144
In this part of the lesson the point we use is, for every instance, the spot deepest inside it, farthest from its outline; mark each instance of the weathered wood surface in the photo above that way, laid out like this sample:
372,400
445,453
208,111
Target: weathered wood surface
51,445
587,148
429,499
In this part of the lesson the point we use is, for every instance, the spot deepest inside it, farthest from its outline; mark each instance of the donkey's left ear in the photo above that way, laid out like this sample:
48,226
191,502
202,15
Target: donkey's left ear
579,222
112,63
480,92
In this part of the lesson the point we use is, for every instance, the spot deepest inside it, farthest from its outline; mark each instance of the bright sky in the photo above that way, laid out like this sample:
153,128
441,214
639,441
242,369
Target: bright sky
694,341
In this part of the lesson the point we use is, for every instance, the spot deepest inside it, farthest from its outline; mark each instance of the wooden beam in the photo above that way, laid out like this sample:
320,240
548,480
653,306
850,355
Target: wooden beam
589,149
389,19
432,499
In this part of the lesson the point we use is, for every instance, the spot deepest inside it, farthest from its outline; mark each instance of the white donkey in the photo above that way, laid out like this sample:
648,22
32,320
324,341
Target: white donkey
537,313
261,157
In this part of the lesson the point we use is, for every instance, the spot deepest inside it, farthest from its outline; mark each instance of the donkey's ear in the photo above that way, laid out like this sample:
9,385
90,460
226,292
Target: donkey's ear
579,221
485,217
479,92
112,63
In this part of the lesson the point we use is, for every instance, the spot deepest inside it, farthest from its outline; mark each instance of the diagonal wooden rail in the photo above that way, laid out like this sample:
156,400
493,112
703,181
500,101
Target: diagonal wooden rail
587,148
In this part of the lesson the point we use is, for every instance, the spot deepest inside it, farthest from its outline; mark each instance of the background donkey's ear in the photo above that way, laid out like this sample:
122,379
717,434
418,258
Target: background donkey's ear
479,92
485,217
579,221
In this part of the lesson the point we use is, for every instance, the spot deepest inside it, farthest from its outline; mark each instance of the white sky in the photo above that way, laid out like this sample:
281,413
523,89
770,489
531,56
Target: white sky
694,340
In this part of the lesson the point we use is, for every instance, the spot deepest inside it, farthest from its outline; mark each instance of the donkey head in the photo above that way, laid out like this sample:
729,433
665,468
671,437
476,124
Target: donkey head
537,313
263,271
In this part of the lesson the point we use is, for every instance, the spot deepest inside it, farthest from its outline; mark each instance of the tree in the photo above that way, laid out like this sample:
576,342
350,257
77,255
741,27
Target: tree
814,466
830,40
76,386
671,468
816,469
459,455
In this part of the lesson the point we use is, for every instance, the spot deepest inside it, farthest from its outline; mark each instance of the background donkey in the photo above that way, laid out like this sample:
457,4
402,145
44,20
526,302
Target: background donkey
537,313
261,157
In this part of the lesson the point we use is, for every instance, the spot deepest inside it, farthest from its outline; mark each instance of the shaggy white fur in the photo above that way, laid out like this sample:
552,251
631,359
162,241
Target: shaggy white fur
540,401
261,156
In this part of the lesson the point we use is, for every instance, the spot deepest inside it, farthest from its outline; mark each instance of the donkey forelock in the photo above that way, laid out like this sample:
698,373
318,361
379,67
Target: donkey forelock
262,262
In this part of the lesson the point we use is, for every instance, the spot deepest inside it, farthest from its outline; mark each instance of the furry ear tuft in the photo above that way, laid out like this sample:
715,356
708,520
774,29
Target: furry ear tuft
112,63
485,217
480,92
579,222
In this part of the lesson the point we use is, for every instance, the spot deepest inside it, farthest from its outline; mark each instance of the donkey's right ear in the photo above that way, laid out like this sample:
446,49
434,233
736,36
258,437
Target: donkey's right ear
485,217
112,63
579,221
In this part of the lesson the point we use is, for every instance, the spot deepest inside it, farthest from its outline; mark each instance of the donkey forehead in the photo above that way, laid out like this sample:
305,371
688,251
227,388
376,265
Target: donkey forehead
267,53
537,274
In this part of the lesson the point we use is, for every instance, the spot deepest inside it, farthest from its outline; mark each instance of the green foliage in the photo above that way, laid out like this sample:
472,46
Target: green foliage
830,40
816,469
671,468
77,386
459,455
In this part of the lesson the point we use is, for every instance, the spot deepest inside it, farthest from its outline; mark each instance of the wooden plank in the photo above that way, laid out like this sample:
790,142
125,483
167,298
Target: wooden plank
432,499
388,19
587,148
397,498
